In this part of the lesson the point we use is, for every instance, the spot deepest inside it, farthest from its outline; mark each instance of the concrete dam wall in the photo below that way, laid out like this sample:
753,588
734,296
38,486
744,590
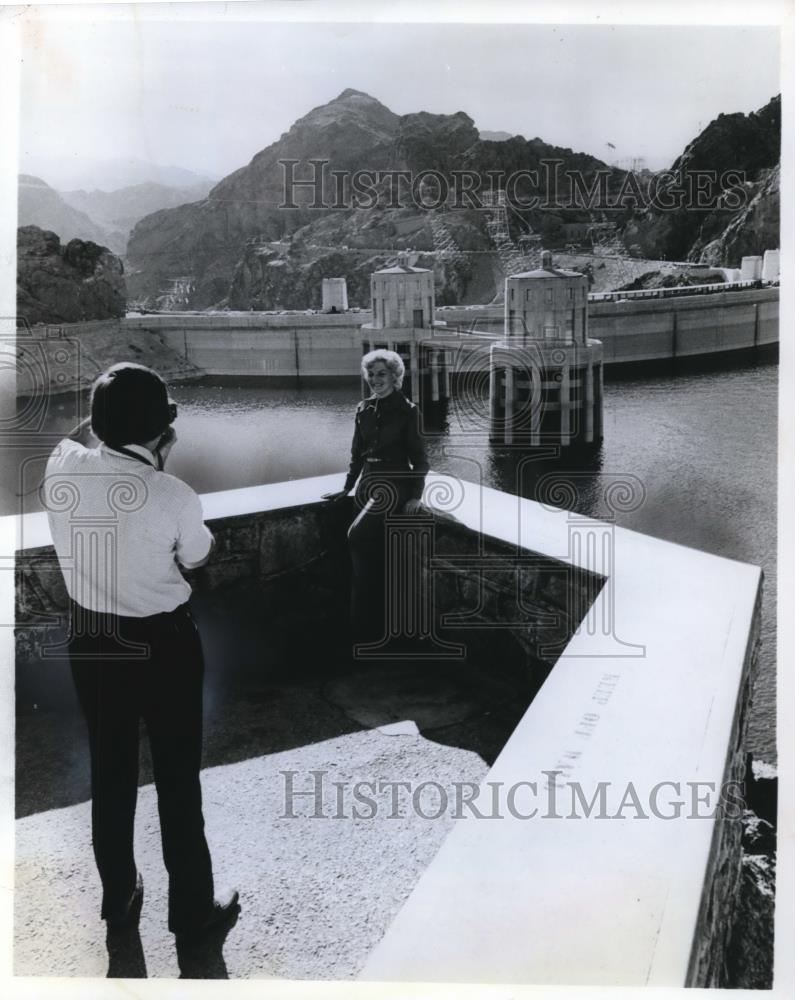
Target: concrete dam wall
328,344
251,344
57,359
645,330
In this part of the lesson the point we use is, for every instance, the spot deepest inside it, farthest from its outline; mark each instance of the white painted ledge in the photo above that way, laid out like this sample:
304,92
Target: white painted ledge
601,901
593,901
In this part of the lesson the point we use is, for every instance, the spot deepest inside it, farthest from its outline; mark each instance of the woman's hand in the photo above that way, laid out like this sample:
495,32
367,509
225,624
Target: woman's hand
334,497
412,506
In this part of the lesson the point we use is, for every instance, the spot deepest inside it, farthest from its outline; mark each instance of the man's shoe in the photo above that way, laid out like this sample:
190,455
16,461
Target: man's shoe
128,915
223,910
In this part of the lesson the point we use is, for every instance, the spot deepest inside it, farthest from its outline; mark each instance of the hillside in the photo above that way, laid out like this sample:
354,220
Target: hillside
747,145
213,246
43,206
252,243
119,210
66,284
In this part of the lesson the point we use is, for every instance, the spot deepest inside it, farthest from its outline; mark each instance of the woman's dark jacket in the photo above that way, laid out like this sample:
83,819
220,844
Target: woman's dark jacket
387,440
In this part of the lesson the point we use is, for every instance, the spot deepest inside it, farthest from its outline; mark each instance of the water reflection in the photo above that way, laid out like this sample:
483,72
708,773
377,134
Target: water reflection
542,474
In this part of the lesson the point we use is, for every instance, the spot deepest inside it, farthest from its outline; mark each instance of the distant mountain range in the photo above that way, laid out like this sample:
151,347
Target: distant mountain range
120,210
105,217
70,173
42,206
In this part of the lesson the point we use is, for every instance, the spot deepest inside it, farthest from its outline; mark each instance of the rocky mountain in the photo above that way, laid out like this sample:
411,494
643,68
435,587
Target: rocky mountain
66,284
216,246
118,211
671,279
748,146
264,236
42,206
753,229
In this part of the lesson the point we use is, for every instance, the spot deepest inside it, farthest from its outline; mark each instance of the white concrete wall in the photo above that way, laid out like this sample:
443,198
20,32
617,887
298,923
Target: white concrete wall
642,330
293,344
651,699
318,344
648,691
630,330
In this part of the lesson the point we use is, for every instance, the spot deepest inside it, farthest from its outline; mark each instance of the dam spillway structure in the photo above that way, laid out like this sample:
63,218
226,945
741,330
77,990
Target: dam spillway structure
403,305
545,376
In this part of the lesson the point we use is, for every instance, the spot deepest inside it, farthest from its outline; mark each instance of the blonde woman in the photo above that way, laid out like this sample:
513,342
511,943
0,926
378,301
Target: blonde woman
388,459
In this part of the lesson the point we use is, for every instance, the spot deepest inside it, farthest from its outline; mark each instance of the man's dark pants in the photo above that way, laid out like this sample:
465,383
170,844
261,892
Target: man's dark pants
117,687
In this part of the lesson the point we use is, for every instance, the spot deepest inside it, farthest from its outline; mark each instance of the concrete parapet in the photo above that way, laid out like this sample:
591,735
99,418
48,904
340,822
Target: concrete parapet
294,345
645,330
630,677
610,634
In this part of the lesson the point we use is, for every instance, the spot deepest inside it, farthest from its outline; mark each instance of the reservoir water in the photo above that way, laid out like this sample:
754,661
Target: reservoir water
702,445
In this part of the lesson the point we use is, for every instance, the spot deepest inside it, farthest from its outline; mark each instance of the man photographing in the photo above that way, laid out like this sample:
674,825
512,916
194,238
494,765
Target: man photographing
121,526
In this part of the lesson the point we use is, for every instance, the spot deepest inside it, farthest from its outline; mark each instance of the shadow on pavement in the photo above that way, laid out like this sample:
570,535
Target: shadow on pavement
270,686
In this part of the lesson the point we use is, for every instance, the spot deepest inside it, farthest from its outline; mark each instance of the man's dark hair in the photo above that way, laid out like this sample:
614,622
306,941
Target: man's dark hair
129,405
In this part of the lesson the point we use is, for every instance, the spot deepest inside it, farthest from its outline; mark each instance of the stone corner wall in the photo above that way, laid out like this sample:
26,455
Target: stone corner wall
514,609
290,562
720,901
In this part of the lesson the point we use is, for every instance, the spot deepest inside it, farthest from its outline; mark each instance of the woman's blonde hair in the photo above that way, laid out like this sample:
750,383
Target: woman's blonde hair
391,359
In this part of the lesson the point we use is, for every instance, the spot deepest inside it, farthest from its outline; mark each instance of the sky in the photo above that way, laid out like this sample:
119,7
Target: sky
208,95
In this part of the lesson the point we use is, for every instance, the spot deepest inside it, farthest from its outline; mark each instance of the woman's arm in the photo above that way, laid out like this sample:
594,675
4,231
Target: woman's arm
415,448
357,449
354,467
